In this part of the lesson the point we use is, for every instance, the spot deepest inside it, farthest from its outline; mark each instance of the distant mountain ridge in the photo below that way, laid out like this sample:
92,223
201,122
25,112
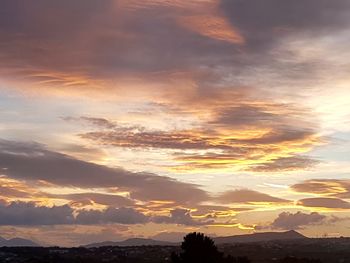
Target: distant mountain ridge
256,237
17,242
260,237
132,242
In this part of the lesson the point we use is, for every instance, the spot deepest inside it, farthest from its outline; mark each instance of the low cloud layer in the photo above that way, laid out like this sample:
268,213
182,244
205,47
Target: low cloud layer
19,213
30,214
301,220
298,220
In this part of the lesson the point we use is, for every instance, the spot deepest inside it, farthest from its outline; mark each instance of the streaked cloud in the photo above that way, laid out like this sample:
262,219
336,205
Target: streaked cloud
248,196
286,164
326,187
248,137
324,202
31,161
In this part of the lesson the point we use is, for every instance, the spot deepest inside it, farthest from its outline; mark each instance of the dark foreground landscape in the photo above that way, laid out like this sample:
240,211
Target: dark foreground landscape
326,250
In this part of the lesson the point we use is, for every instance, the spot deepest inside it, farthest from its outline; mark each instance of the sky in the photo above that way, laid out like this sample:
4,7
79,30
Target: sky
155,118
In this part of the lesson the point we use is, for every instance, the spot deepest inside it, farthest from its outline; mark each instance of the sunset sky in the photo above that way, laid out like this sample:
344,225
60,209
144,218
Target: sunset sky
154,118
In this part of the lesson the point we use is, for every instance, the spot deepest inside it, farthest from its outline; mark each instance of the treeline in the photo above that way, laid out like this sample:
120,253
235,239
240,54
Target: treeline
197,247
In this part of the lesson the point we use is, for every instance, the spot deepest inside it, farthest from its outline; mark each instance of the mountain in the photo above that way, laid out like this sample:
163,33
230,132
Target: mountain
132,242
17,242
256,237
259,237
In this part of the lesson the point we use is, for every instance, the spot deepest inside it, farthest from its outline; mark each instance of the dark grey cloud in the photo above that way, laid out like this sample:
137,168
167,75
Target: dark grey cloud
32,162
248,196
21,213
276,31
290,221
111,215
181,217
300,220
31,214
246,115
264,22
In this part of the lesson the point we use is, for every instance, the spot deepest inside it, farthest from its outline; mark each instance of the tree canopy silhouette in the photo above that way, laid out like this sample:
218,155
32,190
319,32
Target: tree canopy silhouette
197,247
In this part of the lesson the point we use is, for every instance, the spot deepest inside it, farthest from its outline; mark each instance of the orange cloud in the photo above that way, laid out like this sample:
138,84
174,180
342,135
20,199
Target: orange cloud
244,138
212,26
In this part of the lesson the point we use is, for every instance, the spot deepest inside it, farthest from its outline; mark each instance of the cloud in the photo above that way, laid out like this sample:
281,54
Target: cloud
215,211
264,23
298,220
13,189
212,26
132,49
121,41
326,187
245,137
248,196
324,202
133,46
103,199
99,122
30,214
32,162
21,213
285,164
111,215
181,217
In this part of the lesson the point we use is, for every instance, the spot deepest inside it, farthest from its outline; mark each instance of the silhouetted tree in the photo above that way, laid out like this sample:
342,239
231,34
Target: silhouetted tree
197,247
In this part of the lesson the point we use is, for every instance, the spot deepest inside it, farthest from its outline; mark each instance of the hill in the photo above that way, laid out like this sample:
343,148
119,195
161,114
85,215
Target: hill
260,237
17,242
132,242
256,237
